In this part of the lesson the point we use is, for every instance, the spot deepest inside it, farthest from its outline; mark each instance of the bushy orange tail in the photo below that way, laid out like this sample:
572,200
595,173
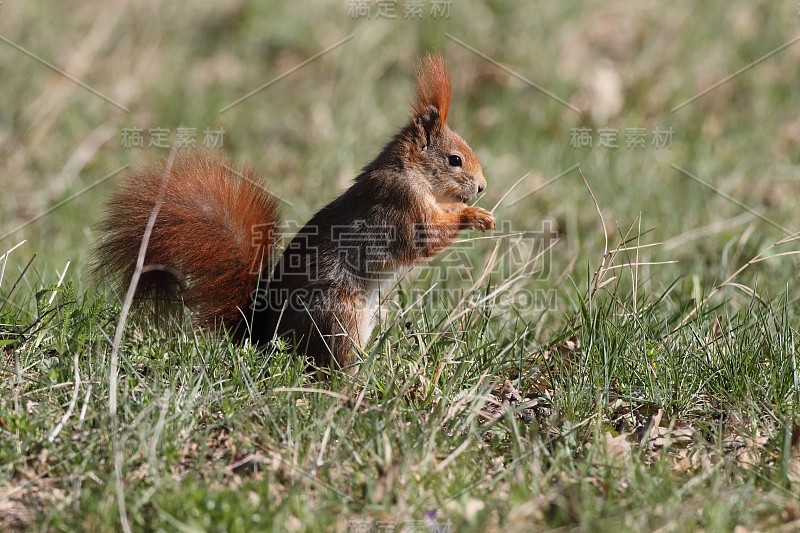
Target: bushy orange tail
213,235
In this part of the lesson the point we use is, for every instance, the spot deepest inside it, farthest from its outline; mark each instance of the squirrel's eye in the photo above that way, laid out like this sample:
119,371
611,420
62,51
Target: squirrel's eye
454,160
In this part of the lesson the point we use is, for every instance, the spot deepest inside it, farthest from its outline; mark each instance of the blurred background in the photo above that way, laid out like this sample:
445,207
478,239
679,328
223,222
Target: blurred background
635,92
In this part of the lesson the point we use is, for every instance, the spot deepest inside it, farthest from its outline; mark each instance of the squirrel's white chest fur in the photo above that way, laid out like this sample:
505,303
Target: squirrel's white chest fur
370,312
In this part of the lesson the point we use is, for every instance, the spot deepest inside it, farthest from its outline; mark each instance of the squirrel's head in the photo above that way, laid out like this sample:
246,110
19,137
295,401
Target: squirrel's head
448,163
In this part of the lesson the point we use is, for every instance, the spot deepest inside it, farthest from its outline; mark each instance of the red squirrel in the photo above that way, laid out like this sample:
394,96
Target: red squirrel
213,236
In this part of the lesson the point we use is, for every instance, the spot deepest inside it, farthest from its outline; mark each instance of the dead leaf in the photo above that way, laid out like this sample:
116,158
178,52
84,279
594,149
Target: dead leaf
745,449
508,393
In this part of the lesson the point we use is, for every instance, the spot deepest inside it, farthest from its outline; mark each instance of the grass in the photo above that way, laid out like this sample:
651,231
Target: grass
628,365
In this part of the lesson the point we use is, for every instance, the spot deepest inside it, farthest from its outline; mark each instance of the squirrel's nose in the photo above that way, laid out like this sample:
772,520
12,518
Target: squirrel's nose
481,182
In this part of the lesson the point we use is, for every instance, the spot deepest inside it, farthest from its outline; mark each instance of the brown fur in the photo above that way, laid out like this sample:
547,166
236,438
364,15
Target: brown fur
408,204
434,88
417,201
214,228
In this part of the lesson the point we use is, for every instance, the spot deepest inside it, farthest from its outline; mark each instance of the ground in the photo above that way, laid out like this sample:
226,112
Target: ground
620,354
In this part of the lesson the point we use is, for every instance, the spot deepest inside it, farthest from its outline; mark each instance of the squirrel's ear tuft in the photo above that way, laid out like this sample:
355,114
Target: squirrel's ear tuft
433,91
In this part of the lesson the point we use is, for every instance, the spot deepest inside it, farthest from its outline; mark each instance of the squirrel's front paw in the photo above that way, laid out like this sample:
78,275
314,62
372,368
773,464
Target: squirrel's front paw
477,218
